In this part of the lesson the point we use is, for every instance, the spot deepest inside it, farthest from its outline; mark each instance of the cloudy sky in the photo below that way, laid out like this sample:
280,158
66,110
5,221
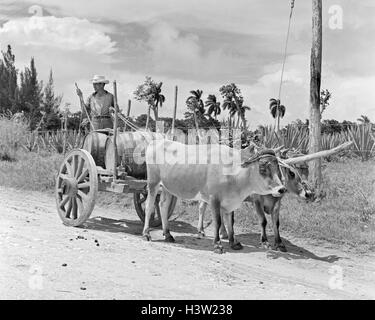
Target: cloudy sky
199,45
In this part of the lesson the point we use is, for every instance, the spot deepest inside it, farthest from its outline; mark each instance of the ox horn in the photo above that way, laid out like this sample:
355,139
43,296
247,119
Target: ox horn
319,154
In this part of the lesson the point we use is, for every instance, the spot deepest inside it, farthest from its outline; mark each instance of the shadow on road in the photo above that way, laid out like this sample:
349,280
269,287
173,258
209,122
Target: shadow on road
294,252
133,227
185,235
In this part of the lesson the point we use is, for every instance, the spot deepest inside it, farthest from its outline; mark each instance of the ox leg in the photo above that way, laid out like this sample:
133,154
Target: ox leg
202,210
215,205
223,231
150,205
229,221
263,223
279,245
165,200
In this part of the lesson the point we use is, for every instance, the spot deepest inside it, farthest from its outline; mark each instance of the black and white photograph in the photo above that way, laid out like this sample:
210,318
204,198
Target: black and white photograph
203,151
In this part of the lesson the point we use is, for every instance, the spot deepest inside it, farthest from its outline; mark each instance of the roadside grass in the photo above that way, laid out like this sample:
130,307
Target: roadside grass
347,213
346,216
30,171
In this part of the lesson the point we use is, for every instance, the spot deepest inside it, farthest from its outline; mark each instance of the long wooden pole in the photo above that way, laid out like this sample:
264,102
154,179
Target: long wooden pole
115,131
65,129
128,112
315,80
83,106
129,107
175,109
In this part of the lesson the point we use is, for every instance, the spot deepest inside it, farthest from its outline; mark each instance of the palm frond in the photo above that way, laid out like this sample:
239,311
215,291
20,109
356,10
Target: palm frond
281,111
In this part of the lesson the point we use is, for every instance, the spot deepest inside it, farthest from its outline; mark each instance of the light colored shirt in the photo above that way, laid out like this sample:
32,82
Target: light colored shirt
99,105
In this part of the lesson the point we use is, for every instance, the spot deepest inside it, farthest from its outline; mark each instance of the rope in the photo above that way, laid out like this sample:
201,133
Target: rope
282,164
286,46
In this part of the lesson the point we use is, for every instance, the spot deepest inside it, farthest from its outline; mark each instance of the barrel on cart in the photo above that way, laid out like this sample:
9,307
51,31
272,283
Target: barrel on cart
88,170
131,147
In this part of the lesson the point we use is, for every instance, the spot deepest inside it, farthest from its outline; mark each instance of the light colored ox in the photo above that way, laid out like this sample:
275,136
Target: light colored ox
210,173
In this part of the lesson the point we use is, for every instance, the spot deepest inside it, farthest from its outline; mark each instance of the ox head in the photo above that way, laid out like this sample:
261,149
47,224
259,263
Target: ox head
268,173
302,167
295,183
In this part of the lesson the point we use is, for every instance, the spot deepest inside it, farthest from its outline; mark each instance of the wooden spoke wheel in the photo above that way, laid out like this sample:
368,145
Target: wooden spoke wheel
76,187
140,205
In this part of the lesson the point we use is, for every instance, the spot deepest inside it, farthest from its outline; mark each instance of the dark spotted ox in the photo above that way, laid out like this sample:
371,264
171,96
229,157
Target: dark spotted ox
267,204
215,174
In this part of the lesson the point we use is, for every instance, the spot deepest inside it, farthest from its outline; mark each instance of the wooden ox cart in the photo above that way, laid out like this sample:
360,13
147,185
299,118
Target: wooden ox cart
109,161
88,170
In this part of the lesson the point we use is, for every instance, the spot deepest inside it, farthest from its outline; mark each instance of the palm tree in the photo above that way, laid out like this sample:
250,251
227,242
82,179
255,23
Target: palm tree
195,104
150,92
364,119
213,106
197,94
241,114
230,104
158,99
277,111
233,100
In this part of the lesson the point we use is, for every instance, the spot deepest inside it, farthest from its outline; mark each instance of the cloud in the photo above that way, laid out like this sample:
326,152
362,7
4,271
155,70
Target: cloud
214,44
351,97
67,34
182,54
171,50
73,48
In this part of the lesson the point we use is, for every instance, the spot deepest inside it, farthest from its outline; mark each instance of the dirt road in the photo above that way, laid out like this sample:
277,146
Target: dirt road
42,259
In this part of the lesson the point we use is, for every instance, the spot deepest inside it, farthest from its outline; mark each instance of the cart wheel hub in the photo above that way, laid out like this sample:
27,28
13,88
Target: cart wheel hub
70,187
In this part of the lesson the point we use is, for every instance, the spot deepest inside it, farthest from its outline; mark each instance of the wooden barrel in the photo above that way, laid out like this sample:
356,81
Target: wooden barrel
94,142
131,147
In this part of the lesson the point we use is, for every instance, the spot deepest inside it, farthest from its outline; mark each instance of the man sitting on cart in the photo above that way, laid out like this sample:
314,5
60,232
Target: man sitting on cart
98,104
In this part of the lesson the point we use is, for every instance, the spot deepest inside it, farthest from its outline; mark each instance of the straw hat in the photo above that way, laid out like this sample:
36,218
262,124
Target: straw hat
99,79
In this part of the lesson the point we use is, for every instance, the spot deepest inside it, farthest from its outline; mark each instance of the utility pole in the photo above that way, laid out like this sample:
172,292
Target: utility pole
315,80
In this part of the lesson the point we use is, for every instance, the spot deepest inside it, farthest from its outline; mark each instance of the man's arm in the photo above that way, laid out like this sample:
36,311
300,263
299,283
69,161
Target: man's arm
84,106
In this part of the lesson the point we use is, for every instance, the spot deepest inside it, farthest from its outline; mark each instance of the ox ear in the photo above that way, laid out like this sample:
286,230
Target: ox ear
245,162
248,152
283,153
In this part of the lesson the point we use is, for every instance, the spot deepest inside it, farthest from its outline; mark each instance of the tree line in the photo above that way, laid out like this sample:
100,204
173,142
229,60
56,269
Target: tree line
21,93
199,113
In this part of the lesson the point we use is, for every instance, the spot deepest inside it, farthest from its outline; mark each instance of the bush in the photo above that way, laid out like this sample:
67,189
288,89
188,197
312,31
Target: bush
12,133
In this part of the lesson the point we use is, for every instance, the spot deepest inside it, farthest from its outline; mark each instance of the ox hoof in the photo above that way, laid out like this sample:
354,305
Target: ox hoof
219,249
236,246
146,237
281,247
169,238
266,245
201,235
224,236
